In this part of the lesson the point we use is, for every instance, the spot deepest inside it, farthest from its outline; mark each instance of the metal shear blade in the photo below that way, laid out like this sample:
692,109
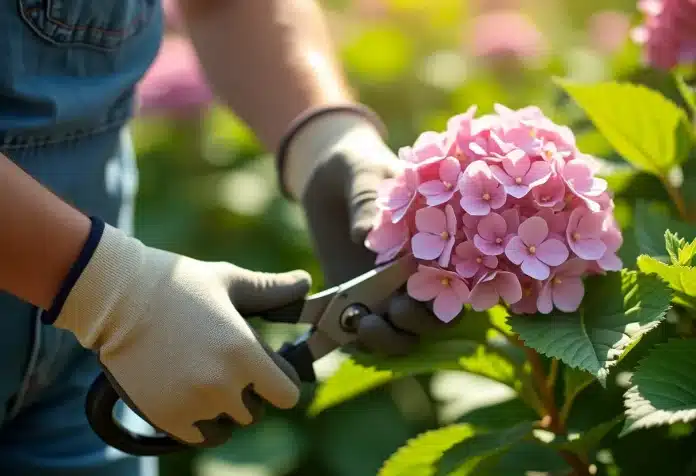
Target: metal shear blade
335,312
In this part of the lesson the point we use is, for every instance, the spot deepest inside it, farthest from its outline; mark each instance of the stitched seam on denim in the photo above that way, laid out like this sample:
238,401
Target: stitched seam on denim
39,28
31,368
133,26
29,141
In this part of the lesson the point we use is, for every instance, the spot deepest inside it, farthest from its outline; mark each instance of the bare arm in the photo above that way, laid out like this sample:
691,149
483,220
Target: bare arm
268,59
40,237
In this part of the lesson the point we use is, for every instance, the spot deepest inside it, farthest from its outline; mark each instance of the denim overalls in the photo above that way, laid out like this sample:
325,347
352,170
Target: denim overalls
66,93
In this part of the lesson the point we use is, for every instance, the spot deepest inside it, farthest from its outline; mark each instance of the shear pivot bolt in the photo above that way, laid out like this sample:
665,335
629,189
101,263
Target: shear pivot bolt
350,317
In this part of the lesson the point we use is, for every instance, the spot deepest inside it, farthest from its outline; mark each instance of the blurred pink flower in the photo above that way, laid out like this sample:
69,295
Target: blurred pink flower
175,83
506,34
448,289
668,33
608,30
494,286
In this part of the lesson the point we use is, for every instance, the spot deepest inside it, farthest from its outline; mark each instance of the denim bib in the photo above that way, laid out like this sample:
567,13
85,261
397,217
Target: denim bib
66,93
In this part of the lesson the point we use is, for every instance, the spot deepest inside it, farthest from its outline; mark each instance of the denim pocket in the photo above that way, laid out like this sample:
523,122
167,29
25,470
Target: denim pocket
97,24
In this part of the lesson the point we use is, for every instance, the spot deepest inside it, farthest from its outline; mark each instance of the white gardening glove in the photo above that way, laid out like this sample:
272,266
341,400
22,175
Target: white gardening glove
169,330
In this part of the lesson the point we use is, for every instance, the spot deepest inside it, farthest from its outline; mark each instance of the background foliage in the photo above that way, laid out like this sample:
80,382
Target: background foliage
208,190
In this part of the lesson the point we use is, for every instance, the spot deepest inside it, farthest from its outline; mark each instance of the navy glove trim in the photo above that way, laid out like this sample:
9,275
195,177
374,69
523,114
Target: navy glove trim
95,233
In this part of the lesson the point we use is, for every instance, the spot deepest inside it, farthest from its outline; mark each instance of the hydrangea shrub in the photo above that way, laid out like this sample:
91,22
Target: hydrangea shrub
569,278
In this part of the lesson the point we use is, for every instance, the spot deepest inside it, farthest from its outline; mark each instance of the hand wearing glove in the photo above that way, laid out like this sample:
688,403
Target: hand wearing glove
169,330
333,160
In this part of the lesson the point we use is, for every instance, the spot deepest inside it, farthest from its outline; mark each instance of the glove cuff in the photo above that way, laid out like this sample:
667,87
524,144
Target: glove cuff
292,176
96,231
103,273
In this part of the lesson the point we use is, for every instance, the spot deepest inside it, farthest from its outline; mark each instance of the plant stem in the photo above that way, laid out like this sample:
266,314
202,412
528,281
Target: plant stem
545,393
580,467
553,375
677,198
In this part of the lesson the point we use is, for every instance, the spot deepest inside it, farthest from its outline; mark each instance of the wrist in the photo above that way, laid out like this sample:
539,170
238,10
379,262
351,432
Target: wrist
103,283
314,136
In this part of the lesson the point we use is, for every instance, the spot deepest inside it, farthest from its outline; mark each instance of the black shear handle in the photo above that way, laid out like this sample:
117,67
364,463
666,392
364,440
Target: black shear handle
102,397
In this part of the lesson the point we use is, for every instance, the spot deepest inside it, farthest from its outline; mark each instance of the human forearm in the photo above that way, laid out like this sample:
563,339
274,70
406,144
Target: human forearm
269,60
40,237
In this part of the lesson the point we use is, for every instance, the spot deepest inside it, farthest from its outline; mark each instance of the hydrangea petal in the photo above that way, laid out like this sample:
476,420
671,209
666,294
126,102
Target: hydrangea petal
552,252
516,250
567,295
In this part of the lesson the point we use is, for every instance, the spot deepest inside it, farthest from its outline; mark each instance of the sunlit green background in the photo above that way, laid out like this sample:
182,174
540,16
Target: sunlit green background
208,190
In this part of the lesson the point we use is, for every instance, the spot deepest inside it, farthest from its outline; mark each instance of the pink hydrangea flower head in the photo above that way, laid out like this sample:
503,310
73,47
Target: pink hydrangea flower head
506,38
397,195
436,234
495,231
580,181
481,192
175,84
387,238
448,290
498,204
518,174
668,34
584,234
470,262
564,288
442,190
608,30
534,251
494,286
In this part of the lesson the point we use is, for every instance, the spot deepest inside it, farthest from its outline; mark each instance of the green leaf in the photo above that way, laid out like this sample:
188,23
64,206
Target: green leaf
365,372
679,250
617,310
664,387
526,458
591,439
575,381
650,222
461,347
673,243
420,455
682,279
643,126
499,415
464,458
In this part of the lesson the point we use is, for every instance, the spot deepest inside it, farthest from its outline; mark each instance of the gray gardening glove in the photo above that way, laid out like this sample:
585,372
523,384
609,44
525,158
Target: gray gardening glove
334,164
169,331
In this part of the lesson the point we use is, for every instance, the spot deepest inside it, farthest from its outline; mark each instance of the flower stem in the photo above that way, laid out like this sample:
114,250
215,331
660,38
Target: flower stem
677,198
580,467
553,374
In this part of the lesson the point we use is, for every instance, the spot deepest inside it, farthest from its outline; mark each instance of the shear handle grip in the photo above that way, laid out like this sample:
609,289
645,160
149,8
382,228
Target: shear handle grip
102,398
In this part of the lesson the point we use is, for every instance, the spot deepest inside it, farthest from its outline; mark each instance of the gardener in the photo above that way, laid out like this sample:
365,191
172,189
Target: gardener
166,327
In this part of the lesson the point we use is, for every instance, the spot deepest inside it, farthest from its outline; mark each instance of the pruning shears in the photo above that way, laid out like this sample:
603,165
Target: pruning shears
333,316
